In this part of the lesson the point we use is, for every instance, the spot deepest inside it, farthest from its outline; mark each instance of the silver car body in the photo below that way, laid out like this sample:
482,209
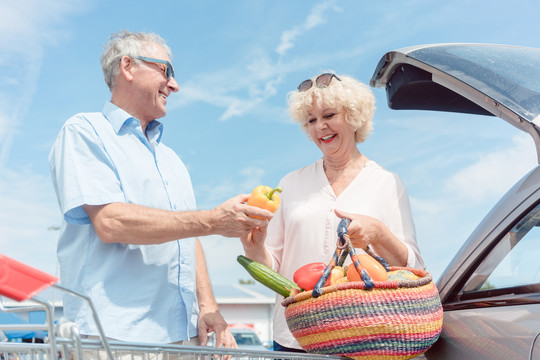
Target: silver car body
490,291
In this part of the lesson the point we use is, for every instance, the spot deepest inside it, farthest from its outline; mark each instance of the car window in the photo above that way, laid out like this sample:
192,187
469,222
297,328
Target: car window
514,260
246,339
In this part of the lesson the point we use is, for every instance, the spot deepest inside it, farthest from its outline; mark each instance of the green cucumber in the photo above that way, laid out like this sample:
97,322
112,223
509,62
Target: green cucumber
268,277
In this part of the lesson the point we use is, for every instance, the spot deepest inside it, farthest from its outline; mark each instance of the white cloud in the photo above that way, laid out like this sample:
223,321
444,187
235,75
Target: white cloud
252,177
28,207
27,28
5,140
287,38
210,194
236,90
29,214
315,18
493,174
241,89
238,107
446,220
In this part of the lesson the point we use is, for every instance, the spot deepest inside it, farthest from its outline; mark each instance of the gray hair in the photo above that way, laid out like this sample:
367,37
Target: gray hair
125,43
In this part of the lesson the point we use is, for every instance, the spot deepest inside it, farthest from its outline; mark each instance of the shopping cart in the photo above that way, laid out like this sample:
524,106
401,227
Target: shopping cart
22,283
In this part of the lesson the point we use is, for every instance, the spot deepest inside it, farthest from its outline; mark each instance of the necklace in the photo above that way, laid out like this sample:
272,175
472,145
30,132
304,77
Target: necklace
335,177
338,174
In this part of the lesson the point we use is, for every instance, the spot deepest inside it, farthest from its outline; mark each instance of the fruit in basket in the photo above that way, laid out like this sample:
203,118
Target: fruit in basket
265,197
267,276
402,274
352,274
375,270
337,274
307,276
295,292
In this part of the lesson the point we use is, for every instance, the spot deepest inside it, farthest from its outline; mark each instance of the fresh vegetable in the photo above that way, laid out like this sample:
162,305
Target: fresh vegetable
402,274
375,270
265,197
307,276
337,274
268,277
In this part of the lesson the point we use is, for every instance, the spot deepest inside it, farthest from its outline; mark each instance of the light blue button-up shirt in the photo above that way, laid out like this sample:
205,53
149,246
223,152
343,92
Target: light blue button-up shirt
143,293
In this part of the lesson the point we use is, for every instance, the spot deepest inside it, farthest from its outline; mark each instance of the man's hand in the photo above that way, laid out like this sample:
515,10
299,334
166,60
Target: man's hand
234,218
214,322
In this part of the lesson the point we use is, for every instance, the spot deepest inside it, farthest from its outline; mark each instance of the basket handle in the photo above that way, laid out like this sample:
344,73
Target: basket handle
383,262
344,248
343,231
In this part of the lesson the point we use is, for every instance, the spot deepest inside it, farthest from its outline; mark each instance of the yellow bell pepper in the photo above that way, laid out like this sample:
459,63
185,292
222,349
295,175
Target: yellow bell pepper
265,197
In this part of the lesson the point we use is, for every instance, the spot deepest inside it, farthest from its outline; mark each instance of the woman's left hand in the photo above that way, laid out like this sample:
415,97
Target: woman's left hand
255,239
366,230
363,230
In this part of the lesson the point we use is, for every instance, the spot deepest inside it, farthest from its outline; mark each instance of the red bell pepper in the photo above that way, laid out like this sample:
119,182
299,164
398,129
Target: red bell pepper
307,276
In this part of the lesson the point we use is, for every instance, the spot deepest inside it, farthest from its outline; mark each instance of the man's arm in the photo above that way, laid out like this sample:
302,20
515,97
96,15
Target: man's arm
210,319
135,224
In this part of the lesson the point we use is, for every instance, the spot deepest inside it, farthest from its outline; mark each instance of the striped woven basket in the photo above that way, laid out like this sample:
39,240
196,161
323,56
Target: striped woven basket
367,319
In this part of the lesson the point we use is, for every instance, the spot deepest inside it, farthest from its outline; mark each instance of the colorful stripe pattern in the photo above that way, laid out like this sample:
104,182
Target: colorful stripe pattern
391,321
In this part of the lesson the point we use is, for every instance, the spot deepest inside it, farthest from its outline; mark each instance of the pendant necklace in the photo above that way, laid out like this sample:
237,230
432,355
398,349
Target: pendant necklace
335,177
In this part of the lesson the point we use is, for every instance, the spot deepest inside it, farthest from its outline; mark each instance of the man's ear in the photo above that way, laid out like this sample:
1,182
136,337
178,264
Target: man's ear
126,67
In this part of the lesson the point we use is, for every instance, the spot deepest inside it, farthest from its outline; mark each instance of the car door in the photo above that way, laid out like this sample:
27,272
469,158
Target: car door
492,310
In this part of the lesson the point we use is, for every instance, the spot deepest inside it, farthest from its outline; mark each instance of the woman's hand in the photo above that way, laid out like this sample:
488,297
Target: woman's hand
253,244
366,230
255,239
363,230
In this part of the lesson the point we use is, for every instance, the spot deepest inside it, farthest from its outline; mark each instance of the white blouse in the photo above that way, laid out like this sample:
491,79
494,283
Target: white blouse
304,228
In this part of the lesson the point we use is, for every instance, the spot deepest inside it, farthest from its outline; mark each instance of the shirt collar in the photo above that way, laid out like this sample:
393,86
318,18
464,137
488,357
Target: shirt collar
116,116
119,117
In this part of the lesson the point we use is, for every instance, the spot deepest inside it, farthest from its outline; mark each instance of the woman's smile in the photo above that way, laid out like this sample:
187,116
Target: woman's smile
328,138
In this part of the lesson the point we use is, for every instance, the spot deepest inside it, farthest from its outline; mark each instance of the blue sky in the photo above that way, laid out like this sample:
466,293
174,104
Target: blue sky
235,62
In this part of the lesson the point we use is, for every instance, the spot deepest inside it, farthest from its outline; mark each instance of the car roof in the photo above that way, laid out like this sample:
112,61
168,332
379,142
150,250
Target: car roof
483,79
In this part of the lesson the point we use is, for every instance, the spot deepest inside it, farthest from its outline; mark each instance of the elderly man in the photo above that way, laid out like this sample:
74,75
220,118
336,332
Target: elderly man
130,219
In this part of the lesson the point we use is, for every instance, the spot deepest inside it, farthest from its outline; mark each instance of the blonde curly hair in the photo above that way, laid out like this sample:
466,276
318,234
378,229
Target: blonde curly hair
355,97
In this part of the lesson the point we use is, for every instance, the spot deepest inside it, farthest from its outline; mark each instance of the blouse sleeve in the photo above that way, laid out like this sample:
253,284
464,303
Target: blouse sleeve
402,225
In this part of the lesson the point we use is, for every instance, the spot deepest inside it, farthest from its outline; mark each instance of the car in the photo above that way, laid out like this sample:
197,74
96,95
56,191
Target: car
490,291
245,338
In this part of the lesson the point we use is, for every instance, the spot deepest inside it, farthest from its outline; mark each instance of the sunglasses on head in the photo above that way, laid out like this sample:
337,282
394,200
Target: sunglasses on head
169,72
321,81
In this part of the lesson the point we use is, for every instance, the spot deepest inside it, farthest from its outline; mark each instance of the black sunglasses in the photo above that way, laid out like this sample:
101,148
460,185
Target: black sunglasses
321,81
169,72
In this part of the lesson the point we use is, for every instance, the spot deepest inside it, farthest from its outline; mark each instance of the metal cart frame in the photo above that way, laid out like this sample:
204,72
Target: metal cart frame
21,282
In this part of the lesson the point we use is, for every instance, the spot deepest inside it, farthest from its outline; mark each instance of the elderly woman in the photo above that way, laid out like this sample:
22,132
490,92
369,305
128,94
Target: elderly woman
336,112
